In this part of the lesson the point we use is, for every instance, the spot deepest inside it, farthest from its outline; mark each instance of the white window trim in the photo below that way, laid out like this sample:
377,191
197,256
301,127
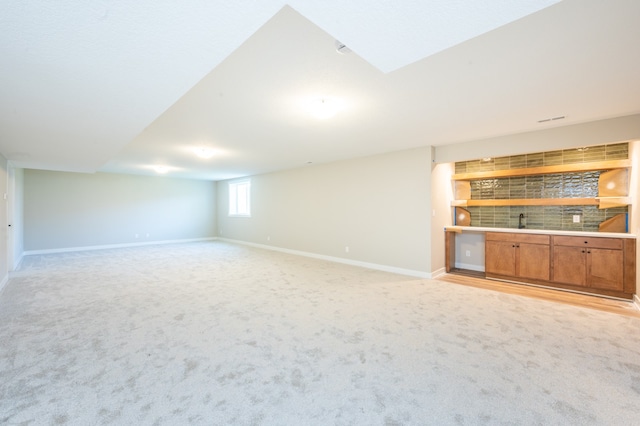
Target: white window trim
233,209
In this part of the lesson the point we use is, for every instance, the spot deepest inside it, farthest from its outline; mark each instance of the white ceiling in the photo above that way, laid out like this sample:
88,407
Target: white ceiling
121,86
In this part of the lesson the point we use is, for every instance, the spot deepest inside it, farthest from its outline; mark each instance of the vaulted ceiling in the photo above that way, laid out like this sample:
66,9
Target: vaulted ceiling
120,86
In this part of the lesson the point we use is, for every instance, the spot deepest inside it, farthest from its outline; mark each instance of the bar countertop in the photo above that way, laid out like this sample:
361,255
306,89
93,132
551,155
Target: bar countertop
460,229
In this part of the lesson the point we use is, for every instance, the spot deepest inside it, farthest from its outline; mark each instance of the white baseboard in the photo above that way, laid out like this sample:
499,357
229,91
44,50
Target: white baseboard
385,268
438,272
636,300
469,267
112,246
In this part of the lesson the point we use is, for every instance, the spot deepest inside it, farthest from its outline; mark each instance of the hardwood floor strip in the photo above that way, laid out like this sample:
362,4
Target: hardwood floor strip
615,306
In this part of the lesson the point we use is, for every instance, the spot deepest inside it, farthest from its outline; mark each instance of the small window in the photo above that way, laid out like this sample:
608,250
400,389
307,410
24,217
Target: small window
240,198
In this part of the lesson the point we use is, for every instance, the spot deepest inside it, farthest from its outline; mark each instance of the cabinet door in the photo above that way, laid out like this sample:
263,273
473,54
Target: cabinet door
533,261
500,258
605,269
569,265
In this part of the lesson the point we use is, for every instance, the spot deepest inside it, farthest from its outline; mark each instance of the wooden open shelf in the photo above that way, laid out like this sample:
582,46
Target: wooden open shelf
545,170
601,202
613,186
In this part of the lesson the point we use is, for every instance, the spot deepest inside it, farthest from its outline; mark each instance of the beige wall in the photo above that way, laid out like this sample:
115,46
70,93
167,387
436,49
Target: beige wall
4,252
593,133
378,206
634,210
441,196
18,216
634,187
65,210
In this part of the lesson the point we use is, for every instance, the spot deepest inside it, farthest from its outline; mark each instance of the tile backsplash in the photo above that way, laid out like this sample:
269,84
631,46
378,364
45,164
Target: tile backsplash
566,185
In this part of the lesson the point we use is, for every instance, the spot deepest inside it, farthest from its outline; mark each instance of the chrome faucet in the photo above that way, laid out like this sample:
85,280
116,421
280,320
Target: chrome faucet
520,224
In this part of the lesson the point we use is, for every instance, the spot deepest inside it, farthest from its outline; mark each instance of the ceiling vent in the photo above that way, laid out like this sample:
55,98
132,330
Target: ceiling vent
544,120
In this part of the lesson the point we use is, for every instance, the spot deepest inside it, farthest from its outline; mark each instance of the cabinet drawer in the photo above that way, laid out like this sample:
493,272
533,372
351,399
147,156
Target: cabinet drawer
594,242
517,238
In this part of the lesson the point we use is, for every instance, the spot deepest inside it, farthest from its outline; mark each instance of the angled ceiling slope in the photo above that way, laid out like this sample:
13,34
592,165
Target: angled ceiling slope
251,107
81,79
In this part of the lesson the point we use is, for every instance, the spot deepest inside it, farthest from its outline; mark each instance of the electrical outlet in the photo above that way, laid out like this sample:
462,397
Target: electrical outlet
468,253
576,218
269,238
137,236
346,249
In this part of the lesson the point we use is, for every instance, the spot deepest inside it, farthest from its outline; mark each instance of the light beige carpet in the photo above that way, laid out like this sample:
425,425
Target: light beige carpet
216,334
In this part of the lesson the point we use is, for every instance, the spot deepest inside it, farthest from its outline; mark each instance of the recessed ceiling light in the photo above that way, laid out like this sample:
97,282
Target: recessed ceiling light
161,169
204,152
